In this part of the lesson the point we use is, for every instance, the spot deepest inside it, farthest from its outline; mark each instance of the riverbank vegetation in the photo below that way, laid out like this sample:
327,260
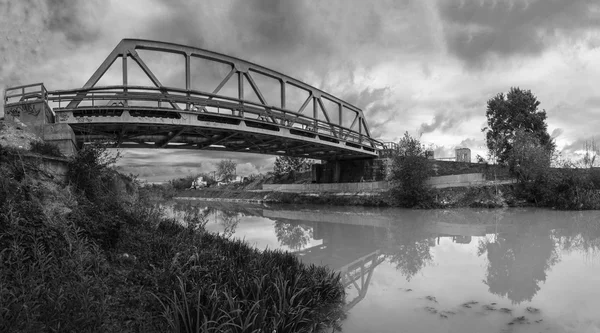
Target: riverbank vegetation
95,254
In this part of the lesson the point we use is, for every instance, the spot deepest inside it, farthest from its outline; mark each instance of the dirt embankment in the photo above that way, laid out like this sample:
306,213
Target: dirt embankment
16,135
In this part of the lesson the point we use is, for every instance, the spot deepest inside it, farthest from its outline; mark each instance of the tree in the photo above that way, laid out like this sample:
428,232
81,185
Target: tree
591,152
506,114
290,165
226,170
530,162
409,173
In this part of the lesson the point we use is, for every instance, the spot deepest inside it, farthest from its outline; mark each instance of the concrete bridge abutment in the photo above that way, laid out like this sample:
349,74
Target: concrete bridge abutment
39,119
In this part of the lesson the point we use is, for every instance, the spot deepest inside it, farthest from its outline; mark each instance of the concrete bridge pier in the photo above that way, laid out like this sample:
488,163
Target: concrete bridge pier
351,171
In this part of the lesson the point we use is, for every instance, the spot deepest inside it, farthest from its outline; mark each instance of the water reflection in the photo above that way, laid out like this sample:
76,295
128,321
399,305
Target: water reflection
516,249
293,235
518,262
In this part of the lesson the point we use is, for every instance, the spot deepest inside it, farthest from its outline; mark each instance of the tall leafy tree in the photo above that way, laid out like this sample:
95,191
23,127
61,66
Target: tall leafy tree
226,170
286,164
507,114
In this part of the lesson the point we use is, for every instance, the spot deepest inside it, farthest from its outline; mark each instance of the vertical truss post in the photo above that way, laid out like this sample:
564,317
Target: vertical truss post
282,83
240,92
124,56
188,79
360,135
340,122
315,114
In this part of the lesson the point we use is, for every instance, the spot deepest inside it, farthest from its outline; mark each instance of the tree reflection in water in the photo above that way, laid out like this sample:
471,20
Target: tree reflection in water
230,221
192,216
408,246
293,235
518,262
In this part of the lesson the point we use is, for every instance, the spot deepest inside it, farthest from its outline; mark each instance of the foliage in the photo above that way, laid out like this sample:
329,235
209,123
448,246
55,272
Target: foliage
45,148
50,273
287,165
108,264
274,292
226,170
530,161
182,183
88,171
409,173
506,115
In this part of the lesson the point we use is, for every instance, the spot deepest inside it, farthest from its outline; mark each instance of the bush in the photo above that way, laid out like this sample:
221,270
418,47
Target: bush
45,148
183,183
408,175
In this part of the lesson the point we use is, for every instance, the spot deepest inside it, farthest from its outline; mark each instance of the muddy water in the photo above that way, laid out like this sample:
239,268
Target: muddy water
514,270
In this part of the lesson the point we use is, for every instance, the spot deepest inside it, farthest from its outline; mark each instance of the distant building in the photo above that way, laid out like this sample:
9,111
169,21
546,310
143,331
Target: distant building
463,155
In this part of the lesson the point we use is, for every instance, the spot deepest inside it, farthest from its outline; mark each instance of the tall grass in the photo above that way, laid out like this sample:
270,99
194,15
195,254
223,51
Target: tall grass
111,263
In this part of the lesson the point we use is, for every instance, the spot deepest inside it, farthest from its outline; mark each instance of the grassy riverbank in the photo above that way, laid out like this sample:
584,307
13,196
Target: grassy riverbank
476,196
94,255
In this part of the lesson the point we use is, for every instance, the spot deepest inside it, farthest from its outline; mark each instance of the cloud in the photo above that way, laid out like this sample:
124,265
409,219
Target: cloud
442,120
578,145
165,164
378,107
476,30
556,133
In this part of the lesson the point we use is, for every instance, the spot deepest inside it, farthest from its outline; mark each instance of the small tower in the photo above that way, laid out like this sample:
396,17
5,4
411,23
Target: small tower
463,155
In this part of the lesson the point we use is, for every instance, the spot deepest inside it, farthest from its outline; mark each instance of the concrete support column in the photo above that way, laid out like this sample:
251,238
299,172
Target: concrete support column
337,168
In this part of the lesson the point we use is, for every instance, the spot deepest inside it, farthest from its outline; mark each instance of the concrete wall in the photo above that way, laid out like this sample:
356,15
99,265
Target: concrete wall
472,179
35,114
62,136
351,171
332,187
54,166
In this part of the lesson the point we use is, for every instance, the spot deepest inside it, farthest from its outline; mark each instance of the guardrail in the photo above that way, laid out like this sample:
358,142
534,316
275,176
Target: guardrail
171,102
19,94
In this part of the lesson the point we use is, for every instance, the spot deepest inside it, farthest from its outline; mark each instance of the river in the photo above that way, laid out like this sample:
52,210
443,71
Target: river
461,270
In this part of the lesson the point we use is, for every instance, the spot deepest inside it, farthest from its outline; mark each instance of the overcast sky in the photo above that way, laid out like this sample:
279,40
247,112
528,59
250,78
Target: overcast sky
423,66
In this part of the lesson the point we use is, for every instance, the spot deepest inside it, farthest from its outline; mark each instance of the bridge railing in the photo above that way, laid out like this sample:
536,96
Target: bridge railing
28,92
171,102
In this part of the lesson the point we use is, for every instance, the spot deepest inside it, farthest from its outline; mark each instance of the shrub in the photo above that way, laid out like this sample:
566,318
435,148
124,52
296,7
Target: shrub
45,148
182,183
408,175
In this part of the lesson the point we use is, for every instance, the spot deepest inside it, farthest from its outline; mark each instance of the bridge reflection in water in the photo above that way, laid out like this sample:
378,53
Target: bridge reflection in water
354,244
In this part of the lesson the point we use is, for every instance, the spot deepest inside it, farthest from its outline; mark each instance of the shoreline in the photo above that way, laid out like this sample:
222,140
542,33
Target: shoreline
478,196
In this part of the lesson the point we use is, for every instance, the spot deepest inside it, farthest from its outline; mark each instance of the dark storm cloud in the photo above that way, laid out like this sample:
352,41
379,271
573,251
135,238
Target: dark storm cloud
442,120
377,107
294,36
476,29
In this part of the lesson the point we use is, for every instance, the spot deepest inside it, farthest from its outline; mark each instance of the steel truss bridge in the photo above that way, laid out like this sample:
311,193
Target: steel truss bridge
322,127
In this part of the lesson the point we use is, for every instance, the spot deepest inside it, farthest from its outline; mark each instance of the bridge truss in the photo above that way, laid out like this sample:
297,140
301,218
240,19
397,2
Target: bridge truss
322,126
